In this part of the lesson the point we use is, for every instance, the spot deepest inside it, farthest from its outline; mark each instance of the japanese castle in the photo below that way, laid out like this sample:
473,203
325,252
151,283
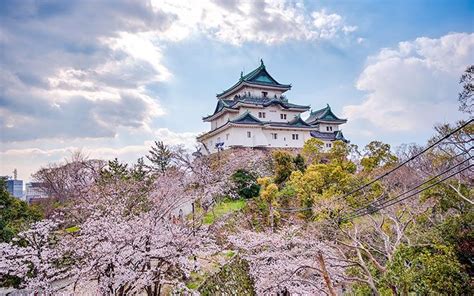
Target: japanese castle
254,112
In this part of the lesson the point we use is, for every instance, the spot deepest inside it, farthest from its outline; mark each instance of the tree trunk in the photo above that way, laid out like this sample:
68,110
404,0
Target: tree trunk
271,217
326,277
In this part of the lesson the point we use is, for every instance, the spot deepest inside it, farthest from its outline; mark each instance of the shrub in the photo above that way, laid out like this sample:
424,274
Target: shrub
245,184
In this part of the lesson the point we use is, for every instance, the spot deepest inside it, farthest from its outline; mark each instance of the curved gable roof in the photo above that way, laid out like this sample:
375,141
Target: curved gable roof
246,118
324,114
259,76
297,121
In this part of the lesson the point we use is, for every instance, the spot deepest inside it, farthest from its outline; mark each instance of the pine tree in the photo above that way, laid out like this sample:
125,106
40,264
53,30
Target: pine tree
139,170
160,157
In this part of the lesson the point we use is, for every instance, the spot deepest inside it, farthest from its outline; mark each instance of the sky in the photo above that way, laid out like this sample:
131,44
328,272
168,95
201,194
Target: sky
110,77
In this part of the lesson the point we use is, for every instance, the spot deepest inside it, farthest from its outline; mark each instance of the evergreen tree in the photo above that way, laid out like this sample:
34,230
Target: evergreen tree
138,171
246,184
160,157
15,214
299,163
283,166
115,170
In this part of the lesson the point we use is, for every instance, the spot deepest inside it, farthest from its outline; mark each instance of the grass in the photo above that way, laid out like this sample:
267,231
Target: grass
72,229
230,254
195,280
222,208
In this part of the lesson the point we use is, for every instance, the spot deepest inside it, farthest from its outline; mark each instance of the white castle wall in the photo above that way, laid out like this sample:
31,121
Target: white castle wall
262,137
272,113
323,127
256,92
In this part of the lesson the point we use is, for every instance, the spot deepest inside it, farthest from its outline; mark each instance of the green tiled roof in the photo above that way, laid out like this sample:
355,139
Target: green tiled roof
246,118
324,114
297,121
257,101
331,136
259,76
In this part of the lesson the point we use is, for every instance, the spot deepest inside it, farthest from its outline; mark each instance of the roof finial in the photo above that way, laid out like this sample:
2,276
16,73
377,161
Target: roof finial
241,75
261,63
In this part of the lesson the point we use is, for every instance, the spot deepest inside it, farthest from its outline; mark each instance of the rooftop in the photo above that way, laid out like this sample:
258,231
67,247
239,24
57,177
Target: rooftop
257,101
259,77
332,136
324,114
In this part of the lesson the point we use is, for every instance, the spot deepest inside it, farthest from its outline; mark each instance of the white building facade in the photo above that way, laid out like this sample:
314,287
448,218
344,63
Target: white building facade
254,112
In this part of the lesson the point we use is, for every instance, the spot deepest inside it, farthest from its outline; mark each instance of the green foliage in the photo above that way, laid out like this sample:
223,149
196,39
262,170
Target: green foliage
312,150
269,194
269,190
447,199
431,270
299,163
139,172
339,153
321,182
160,157
286,195
115,170
73,229
195,279
245,183
224,207
15,214
283,166
233,279
458,232
377,154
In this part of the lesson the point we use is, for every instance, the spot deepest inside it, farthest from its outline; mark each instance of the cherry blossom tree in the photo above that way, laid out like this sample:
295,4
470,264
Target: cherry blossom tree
288,261
70,179
125,243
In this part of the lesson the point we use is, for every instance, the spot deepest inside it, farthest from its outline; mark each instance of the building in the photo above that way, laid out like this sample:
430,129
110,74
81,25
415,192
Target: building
14,187
35,192
254,112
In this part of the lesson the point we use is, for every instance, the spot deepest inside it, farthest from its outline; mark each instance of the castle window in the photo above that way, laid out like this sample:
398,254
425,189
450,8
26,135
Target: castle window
328,145
227,136
249,134
274,136
264,94
294,136
282,116
329,128
261,114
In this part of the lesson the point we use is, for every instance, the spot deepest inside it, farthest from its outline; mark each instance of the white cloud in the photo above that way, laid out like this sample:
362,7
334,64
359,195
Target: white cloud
169,137
140,47
413,86
330,25
29,160
237,22
74,75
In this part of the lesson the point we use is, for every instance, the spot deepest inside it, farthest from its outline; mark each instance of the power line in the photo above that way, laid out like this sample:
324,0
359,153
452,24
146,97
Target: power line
408,160
396,199
382,202
376,202
393,201
290,210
